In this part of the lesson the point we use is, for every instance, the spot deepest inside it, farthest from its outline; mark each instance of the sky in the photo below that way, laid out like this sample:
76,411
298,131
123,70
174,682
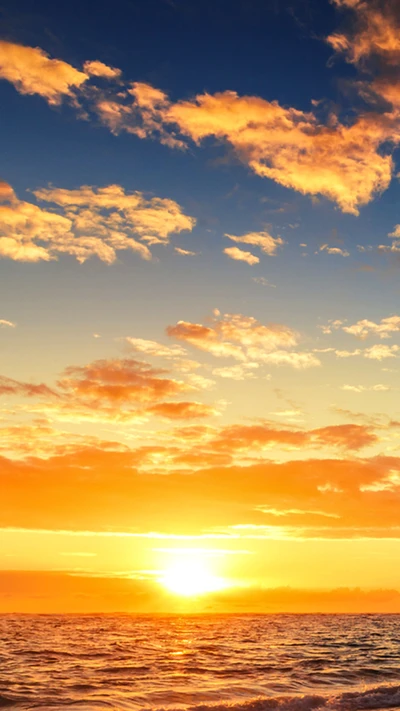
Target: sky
199,306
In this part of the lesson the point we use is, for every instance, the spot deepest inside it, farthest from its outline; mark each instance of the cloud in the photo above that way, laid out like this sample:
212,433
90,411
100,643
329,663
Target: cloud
243,338
371,41
219,498
348,354
65,591
117,390
139,110
362,388
185,252
260,436
243,371
334,250
6,192
9,386
384,329
154,219
182,410
339,161
333,324
241,256
269,245
98,69
349,436
379,352
93,221
294,359
263,281
40,439
31,71
153,348
121,381
4,323
374,32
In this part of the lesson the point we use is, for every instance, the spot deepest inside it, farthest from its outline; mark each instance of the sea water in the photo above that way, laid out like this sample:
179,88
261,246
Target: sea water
239,662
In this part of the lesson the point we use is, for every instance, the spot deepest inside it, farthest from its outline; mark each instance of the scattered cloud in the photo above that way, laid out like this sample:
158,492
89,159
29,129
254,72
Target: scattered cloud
240,255
153,348
243,371
384,329
379,352
269,245
5,323
341,161
334,250
243,338
87,221
363,388
263,281
332,325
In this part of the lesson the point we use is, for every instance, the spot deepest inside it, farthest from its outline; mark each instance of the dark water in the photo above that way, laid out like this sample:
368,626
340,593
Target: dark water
254,663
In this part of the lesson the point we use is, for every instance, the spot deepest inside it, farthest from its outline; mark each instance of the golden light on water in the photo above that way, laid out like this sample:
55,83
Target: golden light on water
190,578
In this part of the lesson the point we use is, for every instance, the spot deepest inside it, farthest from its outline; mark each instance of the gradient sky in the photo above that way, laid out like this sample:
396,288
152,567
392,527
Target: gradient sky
199,304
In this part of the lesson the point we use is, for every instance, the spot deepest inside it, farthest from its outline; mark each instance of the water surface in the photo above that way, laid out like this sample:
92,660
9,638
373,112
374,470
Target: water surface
249,662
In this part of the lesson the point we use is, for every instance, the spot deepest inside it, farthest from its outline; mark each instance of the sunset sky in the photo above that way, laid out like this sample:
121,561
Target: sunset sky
200,306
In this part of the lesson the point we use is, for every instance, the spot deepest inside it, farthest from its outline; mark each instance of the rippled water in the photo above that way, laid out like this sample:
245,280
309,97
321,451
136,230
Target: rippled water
254,663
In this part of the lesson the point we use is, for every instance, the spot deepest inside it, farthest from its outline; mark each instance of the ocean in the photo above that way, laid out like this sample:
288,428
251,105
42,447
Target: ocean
237,662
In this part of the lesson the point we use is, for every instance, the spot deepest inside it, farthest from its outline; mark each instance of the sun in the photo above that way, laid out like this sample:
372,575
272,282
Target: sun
190,578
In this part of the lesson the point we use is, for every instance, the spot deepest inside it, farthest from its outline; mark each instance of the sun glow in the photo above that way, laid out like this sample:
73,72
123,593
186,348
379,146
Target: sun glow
191,577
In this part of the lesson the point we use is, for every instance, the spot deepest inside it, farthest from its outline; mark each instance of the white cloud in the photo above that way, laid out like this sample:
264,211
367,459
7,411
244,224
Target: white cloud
240,255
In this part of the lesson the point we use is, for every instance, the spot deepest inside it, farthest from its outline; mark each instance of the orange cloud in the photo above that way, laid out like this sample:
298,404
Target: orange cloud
341,162
66,591
9,386
351,437
182,410
31,233
255,437
220,499
119,380
269,245
98,69
245,339
375,31
32,72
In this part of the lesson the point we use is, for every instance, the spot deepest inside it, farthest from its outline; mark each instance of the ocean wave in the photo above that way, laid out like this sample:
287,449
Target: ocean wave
374,699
